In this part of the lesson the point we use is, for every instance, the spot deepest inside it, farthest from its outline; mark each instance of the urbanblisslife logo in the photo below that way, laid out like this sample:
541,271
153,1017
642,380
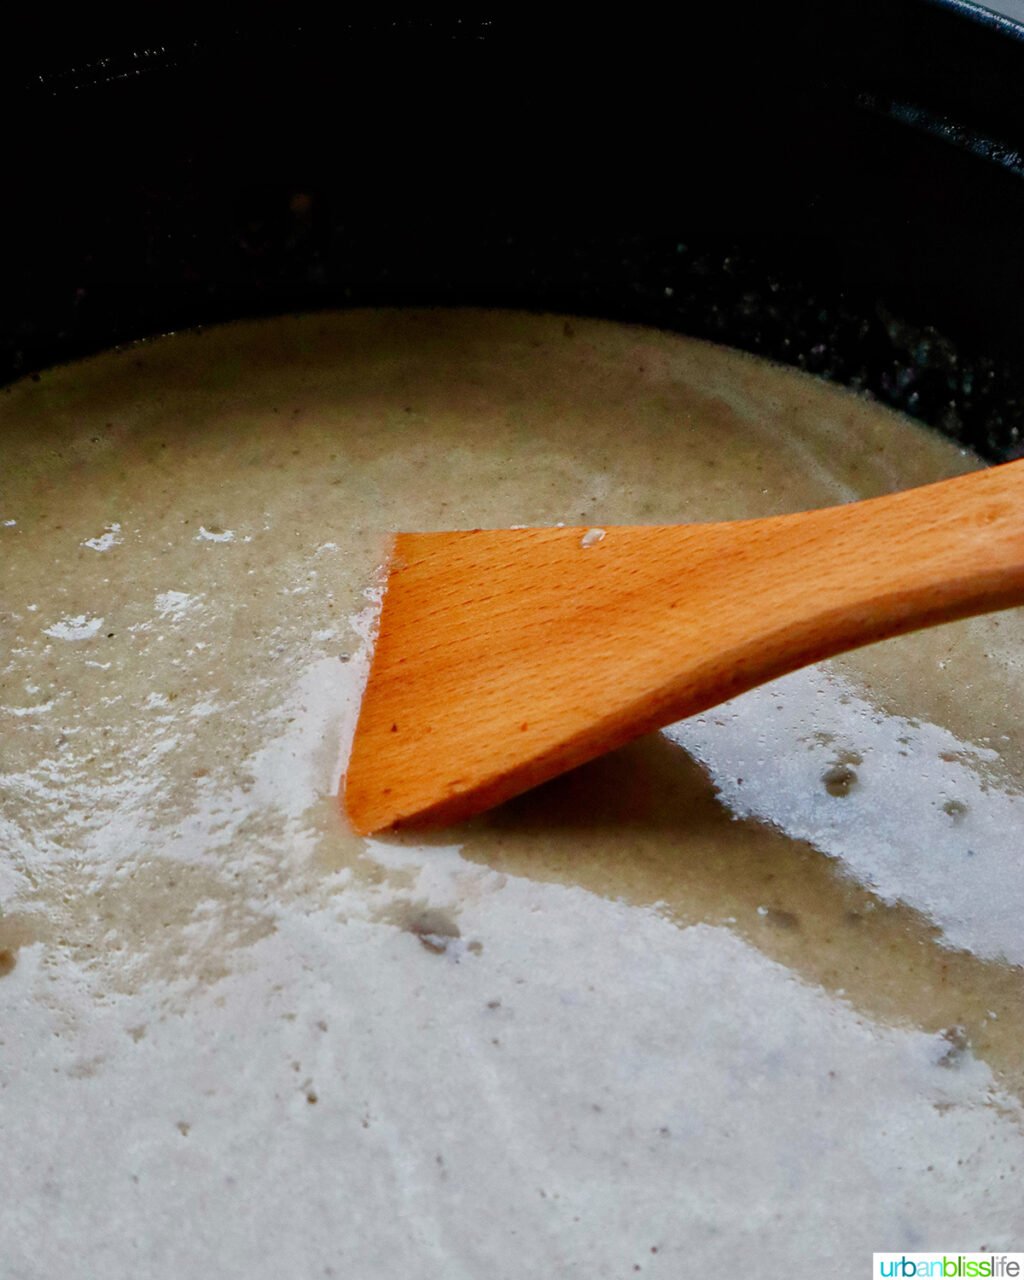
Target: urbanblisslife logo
954,1266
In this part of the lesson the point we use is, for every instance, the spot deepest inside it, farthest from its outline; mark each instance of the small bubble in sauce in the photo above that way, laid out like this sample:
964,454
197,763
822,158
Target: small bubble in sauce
839,780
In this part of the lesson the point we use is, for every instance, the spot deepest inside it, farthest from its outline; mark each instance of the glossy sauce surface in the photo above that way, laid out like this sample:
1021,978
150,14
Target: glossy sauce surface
755,980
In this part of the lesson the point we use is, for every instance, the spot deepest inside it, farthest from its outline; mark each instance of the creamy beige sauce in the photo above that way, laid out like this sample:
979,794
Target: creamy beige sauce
754,984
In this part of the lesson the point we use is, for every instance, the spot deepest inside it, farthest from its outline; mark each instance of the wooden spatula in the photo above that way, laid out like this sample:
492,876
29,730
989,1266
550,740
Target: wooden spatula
505,657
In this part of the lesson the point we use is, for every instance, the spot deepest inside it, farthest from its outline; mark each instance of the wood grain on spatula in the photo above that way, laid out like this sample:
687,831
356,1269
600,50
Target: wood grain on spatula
505,657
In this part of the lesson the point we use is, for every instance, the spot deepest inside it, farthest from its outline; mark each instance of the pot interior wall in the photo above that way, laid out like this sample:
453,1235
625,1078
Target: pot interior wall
841,191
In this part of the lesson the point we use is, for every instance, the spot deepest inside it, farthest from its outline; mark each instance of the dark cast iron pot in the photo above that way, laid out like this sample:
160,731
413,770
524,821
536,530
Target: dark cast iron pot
836,186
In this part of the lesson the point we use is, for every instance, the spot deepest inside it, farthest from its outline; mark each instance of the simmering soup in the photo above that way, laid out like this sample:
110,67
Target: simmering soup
748,988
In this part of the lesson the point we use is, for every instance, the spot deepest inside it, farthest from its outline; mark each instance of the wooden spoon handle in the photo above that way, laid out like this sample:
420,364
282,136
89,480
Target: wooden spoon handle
756,599
886,565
